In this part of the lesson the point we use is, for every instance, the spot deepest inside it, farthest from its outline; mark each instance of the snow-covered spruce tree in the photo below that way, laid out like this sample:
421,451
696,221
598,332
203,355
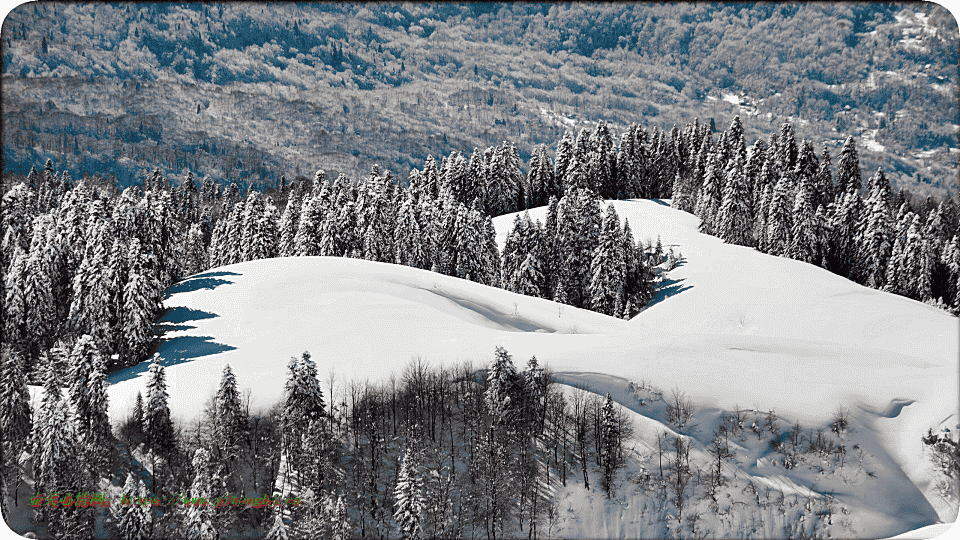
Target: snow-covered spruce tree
15,421
845,237
803,239
88,395
548,250
491,254
638,281
157,425
563,155
289,222
607,268
141,302
848,170
431,177
453,177
785,150
302,422
779,221
200,518
735,219
503,389
306,242
602,162
708,202
409,504
540,180
578,227
513,254
823,180
476,180
379,221
195,252
610,446
916,270
760,223
57,467
263,233
878,233
16,310
408,237
470,246
896,279
132,520
229,421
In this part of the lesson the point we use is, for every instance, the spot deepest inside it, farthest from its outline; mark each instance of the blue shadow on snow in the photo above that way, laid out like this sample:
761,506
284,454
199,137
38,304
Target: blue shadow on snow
206,280
174,351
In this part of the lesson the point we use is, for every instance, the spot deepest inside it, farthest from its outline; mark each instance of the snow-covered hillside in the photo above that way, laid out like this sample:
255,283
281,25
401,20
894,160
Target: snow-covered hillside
730,326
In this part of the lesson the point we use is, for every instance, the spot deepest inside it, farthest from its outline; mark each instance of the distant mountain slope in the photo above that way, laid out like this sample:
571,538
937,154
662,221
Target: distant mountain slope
732,327
252,91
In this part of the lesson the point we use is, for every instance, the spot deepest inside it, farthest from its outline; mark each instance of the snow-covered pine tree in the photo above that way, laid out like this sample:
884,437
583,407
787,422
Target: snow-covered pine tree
540,181
263,238
195,252
848,170
470,245
803,239
878,233
431,177
602,163
408,498
845,236
15,415
476,182
503,388
229,422
896,279
779,221
708,202
15,307
56,451
306,242
133,520
491,254
578,230
200,523
88,395
638,278
735,219
823,180
610,442
157,425
534,389
408,238
564,154
234,248
513,254
785,150
379,218
607,267
141,301
289,222
915,270
760,223
548,250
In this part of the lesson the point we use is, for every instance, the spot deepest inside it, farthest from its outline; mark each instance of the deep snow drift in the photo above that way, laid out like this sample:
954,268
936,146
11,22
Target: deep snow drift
731,326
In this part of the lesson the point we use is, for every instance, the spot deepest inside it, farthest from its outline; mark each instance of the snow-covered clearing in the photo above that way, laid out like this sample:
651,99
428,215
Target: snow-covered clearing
730,326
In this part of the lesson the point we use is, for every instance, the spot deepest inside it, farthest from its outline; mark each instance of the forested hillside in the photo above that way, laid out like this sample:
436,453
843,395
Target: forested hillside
248,92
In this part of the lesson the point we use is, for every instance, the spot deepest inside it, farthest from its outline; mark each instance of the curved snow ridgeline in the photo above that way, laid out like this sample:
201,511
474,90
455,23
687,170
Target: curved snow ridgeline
729,326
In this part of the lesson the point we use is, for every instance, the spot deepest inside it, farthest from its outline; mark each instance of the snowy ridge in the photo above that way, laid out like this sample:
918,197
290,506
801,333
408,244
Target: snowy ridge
730,326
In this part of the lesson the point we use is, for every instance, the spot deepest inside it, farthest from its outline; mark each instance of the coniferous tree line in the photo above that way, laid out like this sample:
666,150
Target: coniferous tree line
435,452
85,259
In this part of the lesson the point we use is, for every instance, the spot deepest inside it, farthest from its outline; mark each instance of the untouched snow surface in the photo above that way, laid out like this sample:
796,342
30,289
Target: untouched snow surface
730,326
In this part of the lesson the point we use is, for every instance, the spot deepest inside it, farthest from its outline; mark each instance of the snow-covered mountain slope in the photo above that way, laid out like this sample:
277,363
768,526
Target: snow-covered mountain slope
730,327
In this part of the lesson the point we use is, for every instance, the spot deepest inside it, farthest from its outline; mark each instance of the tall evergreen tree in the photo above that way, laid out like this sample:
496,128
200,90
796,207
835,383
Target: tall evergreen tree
408,494
848,170
607,268
779,221
846,237
229,421
710,198
760,224
88,395
200,517
735,219
803,239
289,222
157,425
15,421
540,181
610,443
878,233
141,302
133,520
